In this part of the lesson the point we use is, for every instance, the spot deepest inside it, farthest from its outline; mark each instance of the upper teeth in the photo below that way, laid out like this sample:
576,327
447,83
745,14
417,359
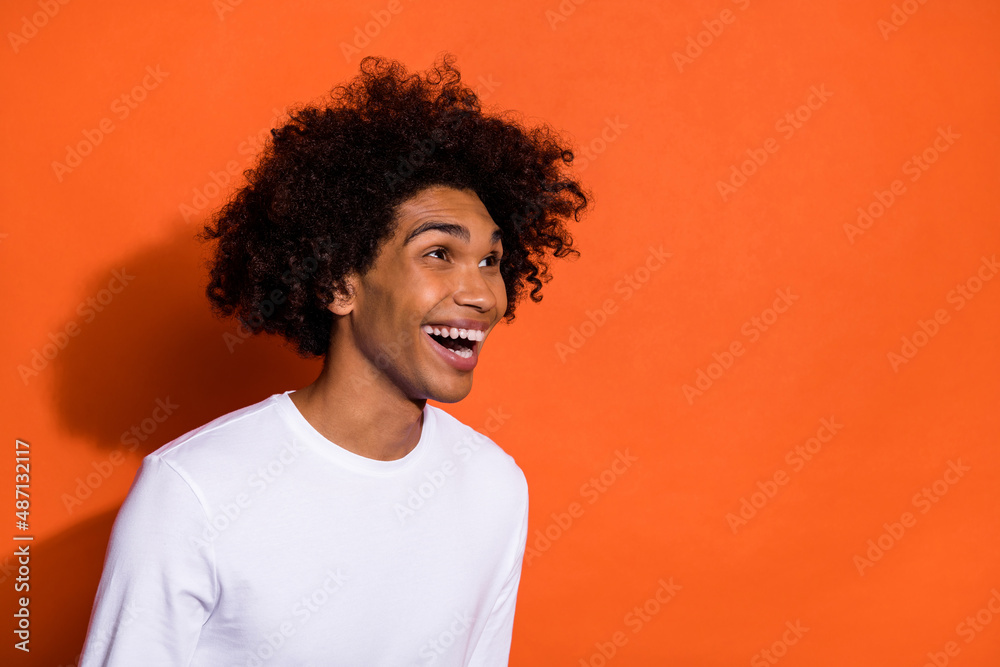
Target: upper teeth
470,334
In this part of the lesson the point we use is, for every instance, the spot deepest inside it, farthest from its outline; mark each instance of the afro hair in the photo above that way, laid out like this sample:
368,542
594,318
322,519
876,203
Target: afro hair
323,194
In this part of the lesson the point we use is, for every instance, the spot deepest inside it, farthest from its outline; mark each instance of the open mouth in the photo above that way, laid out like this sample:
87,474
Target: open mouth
463,347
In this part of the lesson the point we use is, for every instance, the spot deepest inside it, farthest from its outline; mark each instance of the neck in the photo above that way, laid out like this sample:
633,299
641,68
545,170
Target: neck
353,404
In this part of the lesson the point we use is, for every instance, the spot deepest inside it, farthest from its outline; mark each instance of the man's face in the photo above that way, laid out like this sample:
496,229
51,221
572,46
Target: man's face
423,311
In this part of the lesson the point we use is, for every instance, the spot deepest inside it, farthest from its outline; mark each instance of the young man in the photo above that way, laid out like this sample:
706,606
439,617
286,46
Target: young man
349,522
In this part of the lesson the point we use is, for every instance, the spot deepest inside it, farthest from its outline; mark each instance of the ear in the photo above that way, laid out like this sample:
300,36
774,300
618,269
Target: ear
344,295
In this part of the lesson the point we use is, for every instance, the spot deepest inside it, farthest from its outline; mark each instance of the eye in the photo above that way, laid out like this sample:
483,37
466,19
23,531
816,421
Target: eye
437,250
493,258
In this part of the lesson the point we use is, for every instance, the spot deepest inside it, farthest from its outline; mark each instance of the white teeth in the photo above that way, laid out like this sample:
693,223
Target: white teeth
453,332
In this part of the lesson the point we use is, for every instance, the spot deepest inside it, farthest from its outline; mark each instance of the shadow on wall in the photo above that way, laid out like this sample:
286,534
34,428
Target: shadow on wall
148,363
151,361
65,571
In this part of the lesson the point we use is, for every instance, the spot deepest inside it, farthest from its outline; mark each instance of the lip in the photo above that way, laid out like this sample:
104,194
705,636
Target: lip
452,359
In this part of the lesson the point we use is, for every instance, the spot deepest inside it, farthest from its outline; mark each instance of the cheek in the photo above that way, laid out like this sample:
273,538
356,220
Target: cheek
381,309
500,293
426,291
502,300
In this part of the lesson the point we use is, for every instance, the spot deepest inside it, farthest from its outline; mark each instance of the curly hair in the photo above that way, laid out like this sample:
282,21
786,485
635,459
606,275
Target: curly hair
324,191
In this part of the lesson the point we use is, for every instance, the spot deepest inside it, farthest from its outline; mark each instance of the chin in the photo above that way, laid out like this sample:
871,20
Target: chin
451,394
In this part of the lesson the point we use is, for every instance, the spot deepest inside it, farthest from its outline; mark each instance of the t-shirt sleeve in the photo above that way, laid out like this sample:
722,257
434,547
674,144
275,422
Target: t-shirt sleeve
493,647
158,586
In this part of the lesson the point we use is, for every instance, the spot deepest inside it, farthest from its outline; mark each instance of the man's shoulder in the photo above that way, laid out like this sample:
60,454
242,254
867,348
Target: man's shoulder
478,453
232,433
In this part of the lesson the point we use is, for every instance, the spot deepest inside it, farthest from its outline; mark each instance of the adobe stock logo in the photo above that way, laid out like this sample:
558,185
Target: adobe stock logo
30,28
87,310
562,13
432,481
779,649
227,513
598,145
306,607
636,619
592,490
923,500
787,125
929,328
122,107
914,167
437,646
796,457
898,17
968,629
752,329
363,35
223,7
85,486
701,40
628,285
217,182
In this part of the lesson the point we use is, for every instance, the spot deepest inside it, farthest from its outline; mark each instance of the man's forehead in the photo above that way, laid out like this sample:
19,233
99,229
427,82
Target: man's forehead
441,200
444,209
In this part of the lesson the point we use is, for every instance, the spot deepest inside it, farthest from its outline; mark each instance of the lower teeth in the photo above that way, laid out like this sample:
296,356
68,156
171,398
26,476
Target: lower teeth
457,348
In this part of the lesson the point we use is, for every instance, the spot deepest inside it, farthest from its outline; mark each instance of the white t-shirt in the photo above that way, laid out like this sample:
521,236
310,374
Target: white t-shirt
255,541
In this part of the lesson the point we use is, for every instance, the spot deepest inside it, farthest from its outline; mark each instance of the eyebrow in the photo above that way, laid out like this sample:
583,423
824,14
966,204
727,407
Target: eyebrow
452,229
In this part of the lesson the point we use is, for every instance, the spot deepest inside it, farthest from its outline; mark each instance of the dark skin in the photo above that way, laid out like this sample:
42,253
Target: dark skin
435,277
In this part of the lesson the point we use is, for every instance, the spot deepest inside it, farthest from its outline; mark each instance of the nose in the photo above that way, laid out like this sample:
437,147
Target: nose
479,291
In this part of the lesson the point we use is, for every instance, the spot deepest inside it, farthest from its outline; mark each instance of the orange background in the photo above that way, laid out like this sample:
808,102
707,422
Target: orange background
672,130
